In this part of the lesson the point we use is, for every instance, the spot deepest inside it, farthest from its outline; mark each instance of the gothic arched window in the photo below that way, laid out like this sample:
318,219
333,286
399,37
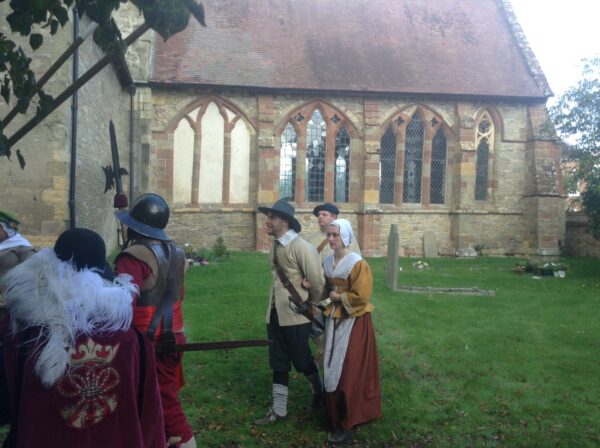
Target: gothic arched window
413,156
315,155
183,144
287,164
342,164
485,142
438,167
211,155
387,167
413,160
316,148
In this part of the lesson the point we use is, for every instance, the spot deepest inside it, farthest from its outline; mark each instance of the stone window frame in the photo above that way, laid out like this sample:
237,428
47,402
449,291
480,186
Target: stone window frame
335,119
433,121
201,104
493,140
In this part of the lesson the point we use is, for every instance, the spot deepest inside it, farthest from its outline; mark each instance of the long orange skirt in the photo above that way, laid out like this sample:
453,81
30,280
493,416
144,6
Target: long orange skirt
357,398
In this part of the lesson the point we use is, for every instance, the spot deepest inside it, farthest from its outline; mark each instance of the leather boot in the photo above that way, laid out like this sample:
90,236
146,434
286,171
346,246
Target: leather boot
318,396
340,437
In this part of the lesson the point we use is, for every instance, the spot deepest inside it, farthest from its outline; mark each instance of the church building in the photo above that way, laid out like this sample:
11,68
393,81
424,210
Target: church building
429,115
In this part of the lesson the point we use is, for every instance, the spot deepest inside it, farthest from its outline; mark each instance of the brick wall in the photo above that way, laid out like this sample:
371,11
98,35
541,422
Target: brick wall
202,228
579,242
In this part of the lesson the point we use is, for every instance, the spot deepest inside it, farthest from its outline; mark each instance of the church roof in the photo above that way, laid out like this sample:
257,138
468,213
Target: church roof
447,47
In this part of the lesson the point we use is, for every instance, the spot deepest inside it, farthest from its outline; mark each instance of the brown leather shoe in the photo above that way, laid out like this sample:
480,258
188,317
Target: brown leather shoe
271,417
340,437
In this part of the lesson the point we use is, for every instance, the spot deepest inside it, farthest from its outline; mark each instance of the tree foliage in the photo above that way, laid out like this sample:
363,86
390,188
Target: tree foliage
577,118
29,17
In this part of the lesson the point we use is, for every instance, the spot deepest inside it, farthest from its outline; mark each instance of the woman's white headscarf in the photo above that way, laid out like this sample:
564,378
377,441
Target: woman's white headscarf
345,230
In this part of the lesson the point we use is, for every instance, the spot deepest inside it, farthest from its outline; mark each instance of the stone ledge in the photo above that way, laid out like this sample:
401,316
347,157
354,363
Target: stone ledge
214,210
454,291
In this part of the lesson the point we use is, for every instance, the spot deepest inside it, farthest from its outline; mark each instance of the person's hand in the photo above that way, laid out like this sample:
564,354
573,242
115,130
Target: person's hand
305,283
334,296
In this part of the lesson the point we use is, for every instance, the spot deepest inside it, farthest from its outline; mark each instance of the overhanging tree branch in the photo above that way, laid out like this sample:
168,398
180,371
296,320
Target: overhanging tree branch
136,34
166,17
53,68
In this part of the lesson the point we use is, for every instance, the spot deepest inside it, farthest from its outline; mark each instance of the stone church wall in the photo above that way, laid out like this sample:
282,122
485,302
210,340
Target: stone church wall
39,194
102,99
505,223
202,228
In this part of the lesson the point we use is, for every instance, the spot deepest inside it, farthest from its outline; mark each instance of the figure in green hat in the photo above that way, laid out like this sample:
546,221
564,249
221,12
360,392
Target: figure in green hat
14,248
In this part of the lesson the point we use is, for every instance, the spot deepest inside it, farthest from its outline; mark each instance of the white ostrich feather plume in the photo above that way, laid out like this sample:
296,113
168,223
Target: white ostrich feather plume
46,292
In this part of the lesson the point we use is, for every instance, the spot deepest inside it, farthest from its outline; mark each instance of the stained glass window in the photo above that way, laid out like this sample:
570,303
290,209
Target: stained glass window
342,165
438,168
287,164
387,167
481,178
413,160
316,136
485,140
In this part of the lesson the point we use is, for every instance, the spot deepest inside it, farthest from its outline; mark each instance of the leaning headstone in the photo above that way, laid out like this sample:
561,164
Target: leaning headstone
392,258
430,249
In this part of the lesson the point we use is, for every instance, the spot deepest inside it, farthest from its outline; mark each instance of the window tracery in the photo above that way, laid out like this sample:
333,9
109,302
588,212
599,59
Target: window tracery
484,143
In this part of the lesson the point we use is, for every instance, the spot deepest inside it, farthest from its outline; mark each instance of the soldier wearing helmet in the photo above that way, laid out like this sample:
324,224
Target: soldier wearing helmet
157,266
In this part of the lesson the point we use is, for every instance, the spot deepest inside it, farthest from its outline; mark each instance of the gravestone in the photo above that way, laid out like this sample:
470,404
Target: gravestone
392,258
430,249
468,252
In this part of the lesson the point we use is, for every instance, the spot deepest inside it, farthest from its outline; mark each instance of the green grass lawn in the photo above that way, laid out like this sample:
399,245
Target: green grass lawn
518,369
521,369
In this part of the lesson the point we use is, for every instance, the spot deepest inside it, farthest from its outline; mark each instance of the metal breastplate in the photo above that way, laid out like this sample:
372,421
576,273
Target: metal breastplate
165,253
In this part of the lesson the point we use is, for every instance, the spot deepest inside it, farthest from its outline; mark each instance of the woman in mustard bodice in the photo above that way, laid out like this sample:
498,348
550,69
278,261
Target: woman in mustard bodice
351,368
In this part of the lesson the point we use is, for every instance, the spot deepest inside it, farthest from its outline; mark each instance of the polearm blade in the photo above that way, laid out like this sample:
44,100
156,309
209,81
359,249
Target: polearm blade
219,345
120,200
114,150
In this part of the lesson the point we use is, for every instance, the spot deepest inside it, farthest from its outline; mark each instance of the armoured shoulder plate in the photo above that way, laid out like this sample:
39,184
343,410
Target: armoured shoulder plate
166,253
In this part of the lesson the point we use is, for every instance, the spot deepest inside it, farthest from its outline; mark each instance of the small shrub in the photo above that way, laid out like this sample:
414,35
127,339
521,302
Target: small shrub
204,253
220,251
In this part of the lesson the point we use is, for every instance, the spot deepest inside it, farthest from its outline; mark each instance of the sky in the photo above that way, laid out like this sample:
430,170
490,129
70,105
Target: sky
560,33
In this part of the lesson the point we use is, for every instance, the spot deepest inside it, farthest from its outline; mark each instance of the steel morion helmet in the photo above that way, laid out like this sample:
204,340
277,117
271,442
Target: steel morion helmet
148,216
